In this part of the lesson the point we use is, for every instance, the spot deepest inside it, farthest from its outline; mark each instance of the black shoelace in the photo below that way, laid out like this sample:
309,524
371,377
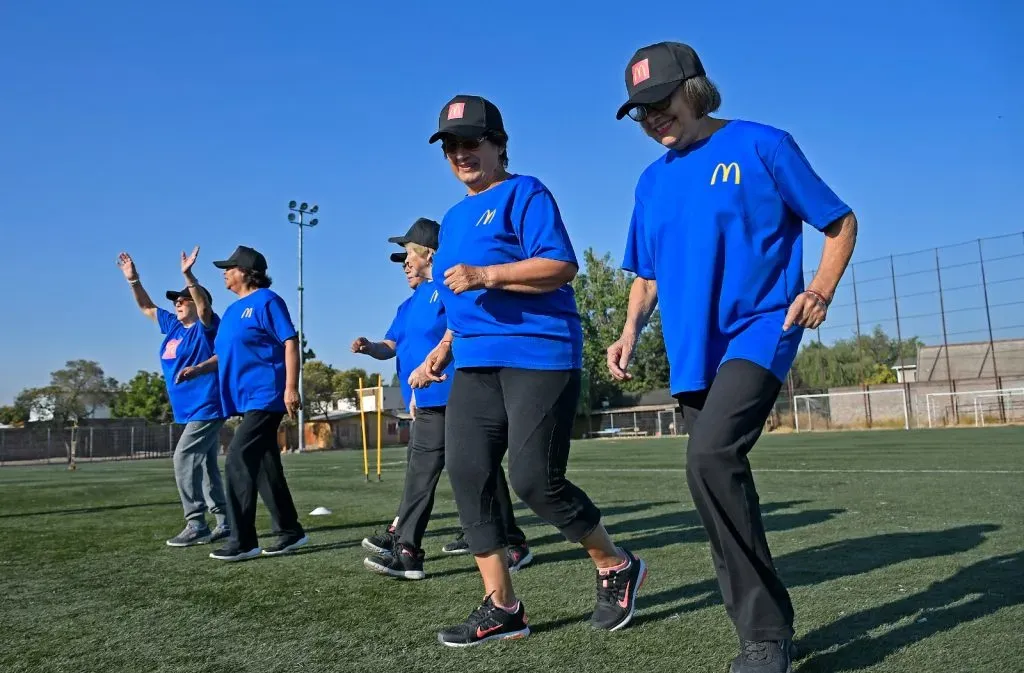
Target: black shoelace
611,588
755,651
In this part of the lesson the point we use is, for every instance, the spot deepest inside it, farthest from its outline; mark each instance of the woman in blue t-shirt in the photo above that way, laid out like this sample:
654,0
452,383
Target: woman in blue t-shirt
716,236
192,392
257,354
514,332
419,324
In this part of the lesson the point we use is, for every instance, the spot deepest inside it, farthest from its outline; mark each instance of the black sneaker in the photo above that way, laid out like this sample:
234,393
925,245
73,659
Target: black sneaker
486,623
616,594
519,556
457,546
230,553
286,544
381,543
405,562
764,656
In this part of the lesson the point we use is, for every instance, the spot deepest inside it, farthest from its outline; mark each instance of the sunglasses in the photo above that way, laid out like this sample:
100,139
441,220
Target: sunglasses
452,144
640,112
182,300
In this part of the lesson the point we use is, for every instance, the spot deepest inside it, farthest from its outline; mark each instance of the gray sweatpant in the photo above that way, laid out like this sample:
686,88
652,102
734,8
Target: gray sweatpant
196,471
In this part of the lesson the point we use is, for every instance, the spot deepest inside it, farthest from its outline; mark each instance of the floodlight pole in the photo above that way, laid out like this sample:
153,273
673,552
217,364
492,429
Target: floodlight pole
301,212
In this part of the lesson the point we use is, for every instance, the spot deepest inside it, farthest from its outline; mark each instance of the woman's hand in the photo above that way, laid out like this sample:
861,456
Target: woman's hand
432,368
188,262
463,277
291,401
127,264
807,310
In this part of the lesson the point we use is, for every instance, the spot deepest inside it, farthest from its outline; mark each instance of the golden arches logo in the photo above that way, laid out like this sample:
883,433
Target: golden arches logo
726,172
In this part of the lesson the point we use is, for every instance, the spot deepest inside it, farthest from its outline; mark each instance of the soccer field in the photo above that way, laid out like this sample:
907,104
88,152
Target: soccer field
903,551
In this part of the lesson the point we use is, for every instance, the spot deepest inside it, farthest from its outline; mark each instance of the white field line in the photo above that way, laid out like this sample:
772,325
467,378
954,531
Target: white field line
804,470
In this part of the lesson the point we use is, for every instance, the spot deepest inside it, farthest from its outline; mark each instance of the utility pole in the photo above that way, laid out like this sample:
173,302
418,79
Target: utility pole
297,216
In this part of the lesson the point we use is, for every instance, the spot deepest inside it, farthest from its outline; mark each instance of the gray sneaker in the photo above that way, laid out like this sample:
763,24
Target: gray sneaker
194,533
220,532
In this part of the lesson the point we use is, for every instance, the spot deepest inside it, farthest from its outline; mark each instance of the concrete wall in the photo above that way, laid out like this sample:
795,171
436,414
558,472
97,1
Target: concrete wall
850,408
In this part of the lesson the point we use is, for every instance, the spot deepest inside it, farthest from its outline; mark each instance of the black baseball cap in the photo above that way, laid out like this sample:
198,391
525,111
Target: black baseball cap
468,117
423,232
244,257
173,296
656,70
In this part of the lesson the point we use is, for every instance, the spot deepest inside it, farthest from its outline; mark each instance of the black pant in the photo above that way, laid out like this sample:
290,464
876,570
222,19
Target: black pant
724,422
254,464
426,462
530,414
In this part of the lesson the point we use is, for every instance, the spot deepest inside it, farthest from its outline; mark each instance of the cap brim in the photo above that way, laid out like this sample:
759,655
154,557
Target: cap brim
173,295
400,240
650,95
224,264
460,131
399,257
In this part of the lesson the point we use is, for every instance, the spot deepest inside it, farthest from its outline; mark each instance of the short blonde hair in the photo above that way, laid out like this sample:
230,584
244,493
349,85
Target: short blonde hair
420,251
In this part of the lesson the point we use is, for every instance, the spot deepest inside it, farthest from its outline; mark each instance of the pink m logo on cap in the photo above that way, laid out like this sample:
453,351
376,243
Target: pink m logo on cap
641,71
456,110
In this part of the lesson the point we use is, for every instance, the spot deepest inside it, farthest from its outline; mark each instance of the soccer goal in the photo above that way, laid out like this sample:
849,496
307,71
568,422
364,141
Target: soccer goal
1005,407
953,408
852,409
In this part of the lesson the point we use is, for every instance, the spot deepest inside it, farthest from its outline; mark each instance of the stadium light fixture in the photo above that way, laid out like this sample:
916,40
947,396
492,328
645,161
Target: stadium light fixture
302,210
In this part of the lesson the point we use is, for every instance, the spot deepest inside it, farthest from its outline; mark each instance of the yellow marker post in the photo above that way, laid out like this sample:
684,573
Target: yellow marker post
380,407
362,423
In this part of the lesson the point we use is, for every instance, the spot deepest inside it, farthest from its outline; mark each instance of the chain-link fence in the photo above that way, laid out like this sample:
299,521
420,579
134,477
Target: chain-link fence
44,443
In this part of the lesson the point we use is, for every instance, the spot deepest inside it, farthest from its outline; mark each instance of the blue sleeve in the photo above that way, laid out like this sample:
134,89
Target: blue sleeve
637,257
804,192
394,332
166,320
277,321
541,231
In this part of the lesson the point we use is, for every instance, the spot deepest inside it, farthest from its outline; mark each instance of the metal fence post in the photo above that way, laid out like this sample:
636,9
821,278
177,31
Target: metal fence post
991,341
945,341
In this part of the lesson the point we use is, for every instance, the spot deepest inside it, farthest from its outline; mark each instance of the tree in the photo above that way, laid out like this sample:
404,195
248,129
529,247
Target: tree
13,415
74,393
850,362
602,297
395,382
320,387
144,396
347,381
307,352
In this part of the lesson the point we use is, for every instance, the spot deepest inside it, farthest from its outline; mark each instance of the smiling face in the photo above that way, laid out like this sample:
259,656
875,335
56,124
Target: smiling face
671,121
476,162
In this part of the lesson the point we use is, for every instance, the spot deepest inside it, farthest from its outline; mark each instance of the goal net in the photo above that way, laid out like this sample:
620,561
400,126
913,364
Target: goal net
974,407
852,409
998,408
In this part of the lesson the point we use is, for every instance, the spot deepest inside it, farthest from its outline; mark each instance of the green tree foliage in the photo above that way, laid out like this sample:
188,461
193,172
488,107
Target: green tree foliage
320,383
602,296
851,362
74,393
144,396
13,415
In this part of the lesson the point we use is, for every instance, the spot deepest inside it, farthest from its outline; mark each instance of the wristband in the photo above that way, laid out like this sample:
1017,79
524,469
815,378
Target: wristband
821,299
134,282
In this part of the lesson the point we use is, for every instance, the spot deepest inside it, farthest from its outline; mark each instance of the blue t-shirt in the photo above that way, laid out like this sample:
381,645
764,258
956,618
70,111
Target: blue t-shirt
417,328
719,227
250,353
510,222
197,399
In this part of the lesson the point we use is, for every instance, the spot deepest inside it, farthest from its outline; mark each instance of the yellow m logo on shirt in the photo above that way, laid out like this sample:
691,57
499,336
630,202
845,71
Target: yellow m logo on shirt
726,172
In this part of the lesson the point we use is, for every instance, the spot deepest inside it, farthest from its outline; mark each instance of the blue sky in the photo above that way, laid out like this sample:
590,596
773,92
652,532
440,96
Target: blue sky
152,128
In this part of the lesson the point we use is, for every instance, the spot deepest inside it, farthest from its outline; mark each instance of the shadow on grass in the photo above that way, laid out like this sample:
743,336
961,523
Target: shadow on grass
666,529
815,565
92,510
973,592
